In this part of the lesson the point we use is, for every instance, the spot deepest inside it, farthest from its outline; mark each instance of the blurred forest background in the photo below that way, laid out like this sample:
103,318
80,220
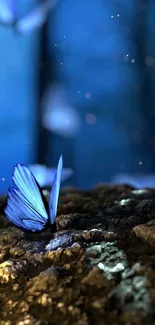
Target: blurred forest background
103,54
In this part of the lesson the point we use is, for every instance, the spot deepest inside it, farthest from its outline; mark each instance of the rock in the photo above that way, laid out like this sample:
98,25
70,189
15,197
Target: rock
97,268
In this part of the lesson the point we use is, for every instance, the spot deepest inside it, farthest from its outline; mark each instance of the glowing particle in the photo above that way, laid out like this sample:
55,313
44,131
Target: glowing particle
112,17
140,163
90,118
149,61
78,91
55,45
133,61
118,15
88,95
3,179
126,58
61,63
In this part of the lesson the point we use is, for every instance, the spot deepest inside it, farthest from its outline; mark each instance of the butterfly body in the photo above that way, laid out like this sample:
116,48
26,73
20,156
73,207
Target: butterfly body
26,206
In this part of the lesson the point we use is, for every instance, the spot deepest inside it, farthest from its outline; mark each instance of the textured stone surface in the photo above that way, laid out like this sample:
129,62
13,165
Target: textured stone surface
98,268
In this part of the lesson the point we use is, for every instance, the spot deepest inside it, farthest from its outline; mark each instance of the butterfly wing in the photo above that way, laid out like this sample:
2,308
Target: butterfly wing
6,11
25,207
36,18
54,195
45,175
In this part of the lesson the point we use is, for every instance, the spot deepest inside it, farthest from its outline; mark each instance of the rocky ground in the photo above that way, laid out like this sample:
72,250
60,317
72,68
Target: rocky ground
97,269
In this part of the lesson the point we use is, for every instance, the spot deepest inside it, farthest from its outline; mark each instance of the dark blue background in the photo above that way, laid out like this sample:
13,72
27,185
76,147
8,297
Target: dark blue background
107,49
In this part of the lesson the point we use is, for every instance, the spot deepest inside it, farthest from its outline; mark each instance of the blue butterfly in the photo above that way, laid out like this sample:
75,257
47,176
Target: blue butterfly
29,22
26,205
